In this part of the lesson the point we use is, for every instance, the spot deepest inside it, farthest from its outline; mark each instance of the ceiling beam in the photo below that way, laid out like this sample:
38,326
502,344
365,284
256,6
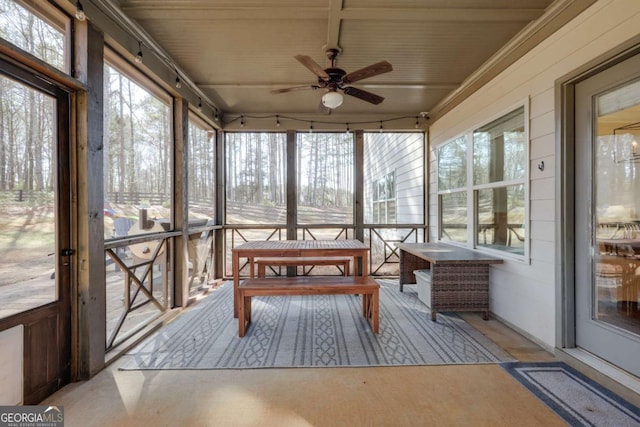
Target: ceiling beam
441,15
216,14
335,13
333,25
444,86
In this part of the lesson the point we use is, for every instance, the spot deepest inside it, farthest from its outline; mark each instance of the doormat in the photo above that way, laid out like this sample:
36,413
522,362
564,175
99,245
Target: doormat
579,400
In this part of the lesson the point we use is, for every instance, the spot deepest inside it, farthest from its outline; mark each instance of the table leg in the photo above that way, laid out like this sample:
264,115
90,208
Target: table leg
236,282
366,305
361,263
241,318
365,264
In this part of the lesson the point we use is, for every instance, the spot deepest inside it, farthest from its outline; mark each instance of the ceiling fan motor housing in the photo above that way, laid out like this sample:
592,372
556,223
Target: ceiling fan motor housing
335,74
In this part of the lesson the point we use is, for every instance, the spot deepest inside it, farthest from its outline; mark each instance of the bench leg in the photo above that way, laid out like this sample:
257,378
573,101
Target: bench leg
370,309
247,309
244,314
261,270
366,305
433,314
345,268
241,316
375,311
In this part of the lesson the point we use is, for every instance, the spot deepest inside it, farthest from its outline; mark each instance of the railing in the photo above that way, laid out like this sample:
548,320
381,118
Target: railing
384,257
139,290
139,287
487,232
235,235
138,283
201,250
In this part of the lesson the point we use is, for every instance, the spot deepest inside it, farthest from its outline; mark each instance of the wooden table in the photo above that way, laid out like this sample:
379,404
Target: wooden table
296,248
619,246
459,276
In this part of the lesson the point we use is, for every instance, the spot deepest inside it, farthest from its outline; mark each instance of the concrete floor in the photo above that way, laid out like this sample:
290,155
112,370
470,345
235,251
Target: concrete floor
451,395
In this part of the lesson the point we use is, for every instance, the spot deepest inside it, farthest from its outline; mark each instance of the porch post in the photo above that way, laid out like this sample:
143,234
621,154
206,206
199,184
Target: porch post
180,203
292,192
359,191
89,152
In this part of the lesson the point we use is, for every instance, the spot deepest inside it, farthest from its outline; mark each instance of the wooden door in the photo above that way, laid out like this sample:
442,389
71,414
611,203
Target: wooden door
35,244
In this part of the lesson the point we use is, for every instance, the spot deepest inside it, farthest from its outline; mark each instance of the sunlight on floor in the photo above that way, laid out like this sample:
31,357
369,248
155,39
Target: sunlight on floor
252,410
130,389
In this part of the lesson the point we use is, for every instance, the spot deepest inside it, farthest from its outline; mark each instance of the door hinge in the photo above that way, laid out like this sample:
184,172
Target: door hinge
67,252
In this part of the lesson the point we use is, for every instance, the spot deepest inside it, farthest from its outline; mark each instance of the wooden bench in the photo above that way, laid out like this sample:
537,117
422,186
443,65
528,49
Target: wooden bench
309,285
263,263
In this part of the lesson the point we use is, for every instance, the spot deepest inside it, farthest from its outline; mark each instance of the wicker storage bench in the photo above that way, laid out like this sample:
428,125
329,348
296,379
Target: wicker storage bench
460,287
459,276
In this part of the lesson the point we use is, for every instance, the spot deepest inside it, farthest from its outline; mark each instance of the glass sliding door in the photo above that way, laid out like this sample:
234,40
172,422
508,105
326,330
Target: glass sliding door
617,210
608,215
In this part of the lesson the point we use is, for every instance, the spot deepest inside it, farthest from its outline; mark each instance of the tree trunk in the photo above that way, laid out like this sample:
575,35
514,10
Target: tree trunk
119,145
259,172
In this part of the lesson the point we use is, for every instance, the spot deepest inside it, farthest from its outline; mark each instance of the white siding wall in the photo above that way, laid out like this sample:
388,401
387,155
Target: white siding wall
523,294
402,153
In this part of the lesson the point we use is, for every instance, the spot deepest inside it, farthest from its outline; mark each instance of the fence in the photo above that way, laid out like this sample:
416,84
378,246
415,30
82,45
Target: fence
26,195
137,197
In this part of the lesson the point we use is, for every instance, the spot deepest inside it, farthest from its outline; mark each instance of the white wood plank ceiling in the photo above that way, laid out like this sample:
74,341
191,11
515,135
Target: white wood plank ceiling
237,51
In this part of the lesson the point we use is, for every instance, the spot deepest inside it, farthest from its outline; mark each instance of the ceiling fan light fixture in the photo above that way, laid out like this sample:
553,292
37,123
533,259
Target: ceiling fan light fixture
332,99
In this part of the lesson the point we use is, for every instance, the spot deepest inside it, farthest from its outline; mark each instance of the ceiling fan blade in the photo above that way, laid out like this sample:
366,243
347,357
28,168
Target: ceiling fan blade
364,95
322,109
291,89
312,65
366,72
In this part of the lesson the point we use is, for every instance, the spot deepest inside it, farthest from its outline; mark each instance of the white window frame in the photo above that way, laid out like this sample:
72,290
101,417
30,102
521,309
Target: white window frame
472,189
454,190
382,204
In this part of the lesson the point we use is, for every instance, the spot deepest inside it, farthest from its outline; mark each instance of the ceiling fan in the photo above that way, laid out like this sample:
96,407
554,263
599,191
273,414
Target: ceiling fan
335,79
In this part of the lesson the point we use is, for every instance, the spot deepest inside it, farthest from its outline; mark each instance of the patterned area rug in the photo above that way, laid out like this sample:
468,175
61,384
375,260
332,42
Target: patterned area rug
577,399
299,331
